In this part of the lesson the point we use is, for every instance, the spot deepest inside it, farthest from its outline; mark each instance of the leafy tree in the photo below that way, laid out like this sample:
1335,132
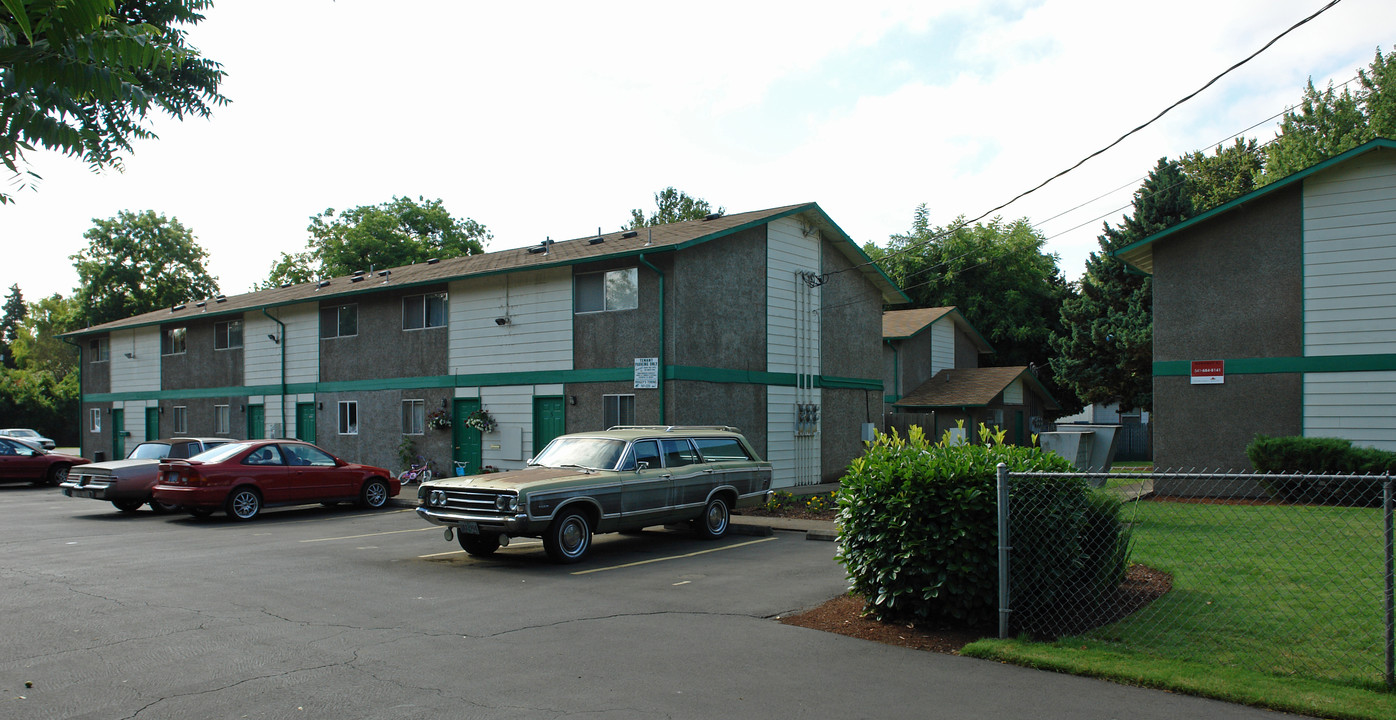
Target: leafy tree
81,77
396,233
15,310
1225,175
672,206
138,262
1378,94
37,347
1106,350
1000,278
40,390
1326,124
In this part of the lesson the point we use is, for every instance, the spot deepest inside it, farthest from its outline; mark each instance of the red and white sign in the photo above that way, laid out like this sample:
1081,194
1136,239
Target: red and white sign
1208,372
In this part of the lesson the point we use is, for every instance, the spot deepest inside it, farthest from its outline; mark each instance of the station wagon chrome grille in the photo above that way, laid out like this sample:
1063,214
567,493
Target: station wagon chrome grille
475,502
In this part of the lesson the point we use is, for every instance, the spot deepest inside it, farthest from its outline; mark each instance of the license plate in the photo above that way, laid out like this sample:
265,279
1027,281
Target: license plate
470,528
82,493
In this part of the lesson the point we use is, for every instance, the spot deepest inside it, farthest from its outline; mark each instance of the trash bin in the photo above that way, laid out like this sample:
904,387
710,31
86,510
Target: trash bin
99,456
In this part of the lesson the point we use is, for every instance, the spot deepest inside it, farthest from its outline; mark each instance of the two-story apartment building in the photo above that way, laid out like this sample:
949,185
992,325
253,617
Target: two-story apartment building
765,320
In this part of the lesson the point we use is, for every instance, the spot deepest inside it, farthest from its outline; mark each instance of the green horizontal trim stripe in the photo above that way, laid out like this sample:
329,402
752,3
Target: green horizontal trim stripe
1271,365
538,377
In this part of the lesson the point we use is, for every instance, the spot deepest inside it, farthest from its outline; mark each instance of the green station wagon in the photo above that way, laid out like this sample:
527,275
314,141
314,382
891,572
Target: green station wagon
621,479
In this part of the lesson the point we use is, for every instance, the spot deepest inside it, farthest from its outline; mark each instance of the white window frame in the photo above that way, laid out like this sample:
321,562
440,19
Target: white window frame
180,414
416,313
222,419
414,417
221,333
175,336
348,417
95,422
608,302
616,407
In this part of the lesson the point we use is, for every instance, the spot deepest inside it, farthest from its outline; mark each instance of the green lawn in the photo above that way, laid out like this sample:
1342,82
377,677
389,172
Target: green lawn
1274,606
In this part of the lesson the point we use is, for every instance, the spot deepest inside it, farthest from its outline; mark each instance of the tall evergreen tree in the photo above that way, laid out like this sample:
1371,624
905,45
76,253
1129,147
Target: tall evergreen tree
1105,352
1223,176
1378,94
14,313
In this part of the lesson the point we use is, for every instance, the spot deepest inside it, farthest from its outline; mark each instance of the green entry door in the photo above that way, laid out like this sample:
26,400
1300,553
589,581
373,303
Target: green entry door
549,421
152,423
305,422
256,422
118,434
465,445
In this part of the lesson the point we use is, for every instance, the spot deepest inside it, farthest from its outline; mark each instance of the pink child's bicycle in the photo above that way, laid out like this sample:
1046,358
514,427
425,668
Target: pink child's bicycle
420,472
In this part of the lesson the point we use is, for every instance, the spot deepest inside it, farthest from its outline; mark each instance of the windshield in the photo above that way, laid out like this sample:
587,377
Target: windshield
150,451
594,453
221,453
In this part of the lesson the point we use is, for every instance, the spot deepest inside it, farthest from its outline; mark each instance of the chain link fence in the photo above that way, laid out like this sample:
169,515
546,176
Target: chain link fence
1285,574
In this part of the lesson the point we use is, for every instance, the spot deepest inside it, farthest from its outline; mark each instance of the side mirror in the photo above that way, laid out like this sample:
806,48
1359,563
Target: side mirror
642,465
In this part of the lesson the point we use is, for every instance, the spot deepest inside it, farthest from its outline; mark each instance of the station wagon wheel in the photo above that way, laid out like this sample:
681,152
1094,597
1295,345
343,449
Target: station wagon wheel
713,523
374,494
478,545
243,504
568,538
127,505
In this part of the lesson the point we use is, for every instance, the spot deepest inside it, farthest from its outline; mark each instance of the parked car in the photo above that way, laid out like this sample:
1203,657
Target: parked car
29,436
20,460
127,483
241,478
621,479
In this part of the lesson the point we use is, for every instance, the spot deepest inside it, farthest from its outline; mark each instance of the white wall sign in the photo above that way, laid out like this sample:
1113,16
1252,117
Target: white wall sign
646,373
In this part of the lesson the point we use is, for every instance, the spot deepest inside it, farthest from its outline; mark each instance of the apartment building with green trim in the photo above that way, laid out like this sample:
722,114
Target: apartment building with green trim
768,321
1276,313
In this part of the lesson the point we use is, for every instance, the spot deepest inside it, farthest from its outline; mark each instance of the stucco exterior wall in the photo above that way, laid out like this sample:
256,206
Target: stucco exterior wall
613,339
966,352
1228,289
201,365
382,348
716,290
96,376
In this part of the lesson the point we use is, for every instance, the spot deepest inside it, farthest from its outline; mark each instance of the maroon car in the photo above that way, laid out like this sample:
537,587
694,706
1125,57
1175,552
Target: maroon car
242,478
21,461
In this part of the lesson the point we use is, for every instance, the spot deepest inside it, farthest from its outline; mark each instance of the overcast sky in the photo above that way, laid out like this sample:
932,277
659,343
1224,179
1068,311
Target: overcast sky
549,120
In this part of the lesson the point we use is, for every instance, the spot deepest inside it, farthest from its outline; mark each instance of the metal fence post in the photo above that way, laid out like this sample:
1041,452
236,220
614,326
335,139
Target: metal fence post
1386,503
1004,547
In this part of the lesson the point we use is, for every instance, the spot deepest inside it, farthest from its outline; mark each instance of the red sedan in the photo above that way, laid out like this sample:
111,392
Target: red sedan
244,477
21,461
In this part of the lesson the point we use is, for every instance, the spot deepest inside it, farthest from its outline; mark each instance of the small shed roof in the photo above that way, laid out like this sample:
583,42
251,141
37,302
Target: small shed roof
972,387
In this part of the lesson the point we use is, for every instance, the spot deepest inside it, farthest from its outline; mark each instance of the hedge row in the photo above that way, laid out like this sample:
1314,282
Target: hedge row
1295,455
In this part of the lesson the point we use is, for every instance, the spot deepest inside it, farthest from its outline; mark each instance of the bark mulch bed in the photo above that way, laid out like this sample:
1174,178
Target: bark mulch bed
844,615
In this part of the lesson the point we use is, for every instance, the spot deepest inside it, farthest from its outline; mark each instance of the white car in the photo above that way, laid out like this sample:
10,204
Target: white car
28,436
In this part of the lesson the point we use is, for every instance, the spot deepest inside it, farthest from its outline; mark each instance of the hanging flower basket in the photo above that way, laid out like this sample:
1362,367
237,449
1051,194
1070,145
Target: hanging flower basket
439,420
481,420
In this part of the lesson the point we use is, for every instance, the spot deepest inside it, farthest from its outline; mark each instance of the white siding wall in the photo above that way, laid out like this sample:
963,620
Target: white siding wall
1349,304
512,408
1356,406
539,333
942,346
138,373
1013,394
134,420
262,360
302,342
792,346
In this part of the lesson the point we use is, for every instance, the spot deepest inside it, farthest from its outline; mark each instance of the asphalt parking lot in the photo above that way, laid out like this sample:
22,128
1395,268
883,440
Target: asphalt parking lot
316,612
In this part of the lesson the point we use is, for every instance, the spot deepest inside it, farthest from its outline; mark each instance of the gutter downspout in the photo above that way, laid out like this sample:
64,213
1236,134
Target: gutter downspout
80,426
660,273
282,335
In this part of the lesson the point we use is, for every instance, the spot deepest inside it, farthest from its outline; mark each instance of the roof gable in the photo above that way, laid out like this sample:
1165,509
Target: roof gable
1140,254
904,324
972,387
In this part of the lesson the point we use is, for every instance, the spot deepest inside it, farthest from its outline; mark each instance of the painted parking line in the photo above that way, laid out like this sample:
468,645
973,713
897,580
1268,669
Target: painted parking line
374,534
673,557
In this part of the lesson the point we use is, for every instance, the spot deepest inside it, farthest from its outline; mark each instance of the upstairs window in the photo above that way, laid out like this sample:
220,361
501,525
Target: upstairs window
424,311
606,291
99,350
174,341
339,321
227,335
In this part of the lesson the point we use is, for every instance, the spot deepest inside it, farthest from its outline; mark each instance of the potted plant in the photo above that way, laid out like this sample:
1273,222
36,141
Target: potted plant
481,420
439,420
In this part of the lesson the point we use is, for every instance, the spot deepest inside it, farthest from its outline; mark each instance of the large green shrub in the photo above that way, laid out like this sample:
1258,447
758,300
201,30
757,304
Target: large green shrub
1298,455
919,532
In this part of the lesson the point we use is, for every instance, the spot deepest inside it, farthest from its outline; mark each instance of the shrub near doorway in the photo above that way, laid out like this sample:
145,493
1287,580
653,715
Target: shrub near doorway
919,529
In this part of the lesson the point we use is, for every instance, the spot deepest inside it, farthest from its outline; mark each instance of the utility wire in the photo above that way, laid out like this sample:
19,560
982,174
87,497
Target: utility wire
1117,141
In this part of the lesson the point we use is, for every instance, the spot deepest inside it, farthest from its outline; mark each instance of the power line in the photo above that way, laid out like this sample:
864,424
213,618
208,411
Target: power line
1117,141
